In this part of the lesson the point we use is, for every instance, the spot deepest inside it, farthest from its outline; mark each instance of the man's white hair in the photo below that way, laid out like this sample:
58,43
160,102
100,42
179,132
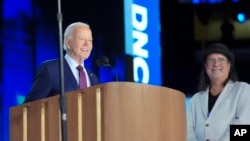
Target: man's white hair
68,32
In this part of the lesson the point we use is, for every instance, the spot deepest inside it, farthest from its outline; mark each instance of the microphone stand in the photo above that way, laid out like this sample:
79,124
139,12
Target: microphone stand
62,99
104,62
116,75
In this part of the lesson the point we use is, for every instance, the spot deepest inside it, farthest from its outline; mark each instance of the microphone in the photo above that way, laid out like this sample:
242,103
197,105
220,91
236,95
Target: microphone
104,62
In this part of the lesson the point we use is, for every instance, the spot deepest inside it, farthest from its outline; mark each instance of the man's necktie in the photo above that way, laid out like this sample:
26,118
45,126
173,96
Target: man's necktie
82,77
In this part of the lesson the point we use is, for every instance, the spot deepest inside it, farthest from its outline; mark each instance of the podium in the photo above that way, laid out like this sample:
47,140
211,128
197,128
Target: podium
114,111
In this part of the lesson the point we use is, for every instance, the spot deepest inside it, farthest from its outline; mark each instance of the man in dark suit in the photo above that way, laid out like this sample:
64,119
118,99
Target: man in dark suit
78,46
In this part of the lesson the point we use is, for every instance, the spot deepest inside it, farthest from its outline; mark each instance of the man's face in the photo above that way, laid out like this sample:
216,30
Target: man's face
217,66
80,43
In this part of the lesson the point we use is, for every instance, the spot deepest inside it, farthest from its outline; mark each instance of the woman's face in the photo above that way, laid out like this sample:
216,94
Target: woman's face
217,67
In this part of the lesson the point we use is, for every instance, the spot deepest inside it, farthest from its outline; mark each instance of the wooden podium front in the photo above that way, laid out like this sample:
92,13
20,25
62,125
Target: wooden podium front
115,111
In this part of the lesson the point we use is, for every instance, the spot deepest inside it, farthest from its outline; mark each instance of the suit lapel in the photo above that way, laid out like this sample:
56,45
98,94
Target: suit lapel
90,75
223,95
69,77
204,103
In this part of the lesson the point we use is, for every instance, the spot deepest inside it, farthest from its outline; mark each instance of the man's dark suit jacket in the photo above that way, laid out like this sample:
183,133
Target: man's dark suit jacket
47,80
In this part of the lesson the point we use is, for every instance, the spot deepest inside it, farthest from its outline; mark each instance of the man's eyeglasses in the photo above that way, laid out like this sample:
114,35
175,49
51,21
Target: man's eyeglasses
219,60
